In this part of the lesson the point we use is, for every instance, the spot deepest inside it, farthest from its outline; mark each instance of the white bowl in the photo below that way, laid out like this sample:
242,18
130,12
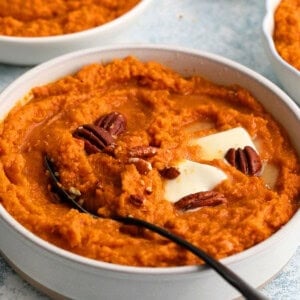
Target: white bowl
288,76
34,50
58,272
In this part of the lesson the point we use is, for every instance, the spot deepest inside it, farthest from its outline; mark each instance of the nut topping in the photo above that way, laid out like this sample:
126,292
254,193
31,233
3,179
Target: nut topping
200,199
143,151
95,138
148,190
100,136
169,173
114,123
143,166
245,160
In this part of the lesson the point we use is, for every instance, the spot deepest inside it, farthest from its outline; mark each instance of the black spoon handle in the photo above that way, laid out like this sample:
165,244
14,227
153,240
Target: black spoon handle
243,287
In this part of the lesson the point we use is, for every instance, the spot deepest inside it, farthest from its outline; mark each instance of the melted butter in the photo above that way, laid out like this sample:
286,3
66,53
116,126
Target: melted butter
269,175
194,177
198,126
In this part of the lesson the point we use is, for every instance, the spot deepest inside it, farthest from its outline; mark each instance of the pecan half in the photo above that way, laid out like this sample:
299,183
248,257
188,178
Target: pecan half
200,199
143,166
115,123
95,138
142,151
169,172
246,160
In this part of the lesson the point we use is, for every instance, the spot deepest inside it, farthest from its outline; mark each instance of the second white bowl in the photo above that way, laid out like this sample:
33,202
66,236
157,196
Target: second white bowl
286,74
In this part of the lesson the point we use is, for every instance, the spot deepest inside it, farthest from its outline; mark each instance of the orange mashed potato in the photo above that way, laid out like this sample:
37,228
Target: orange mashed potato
165,111
287,31
36,18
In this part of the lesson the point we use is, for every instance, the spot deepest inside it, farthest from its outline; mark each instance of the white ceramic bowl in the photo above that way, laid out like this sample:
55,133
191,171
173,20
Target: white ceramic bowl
65,274
34,50
288,76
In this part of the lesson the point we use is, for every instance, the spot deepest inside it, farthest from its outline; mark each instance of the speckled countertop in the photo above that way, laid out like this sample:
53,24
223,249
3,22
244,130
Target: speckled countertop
231,28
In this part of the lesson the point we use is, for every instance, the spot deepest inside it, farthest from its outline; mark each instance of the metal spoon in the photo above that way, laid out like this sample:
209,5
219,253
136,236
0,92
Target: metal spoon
243,287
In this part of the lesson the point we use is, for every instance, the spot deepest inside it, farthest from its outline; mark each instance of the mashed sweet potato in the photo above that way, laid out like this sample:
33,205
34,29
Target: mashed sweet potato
287,31
165,111
36,18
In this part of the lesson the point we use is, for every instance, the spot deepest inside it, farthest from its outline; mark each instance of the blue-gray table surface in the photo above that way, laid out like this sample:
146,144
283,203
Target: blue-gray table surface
231,28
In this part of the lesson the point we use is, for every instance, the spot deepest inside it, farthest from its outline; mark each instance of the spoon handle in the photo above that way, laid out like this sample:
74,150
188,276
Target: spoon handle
243,287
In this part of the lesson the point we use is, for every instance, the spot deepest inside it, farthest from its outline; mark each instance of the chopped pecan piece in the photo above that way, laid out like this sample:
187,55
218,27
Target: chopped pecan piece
246,160
95,138
169,172
143,166
200,199
136,200
148,190
142,151
115,123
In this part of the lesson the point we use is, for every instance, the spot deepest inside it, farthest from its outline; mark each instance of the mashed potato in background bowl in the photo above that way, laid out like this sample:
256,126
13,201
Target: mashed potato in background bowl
283,26
33,32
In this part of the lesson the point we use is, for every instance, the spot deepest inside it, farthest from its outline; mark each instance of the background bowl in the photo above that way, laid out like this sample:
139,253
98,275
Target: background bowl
34,50
67,275
286,74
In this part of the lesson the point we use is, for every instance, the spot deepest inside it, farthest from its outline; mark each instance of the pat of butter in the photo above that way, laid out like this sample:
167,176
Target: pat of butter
194,177
216,145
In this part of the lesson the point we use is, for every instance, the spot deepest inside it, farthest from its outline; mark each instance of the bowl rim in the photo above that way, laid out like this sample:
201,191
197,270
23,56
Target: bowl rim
268,29
106,27
294,222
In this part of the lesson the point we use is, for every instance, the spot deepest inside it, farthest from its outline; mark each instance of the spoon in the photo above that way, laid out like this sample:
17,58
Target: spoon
232,278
